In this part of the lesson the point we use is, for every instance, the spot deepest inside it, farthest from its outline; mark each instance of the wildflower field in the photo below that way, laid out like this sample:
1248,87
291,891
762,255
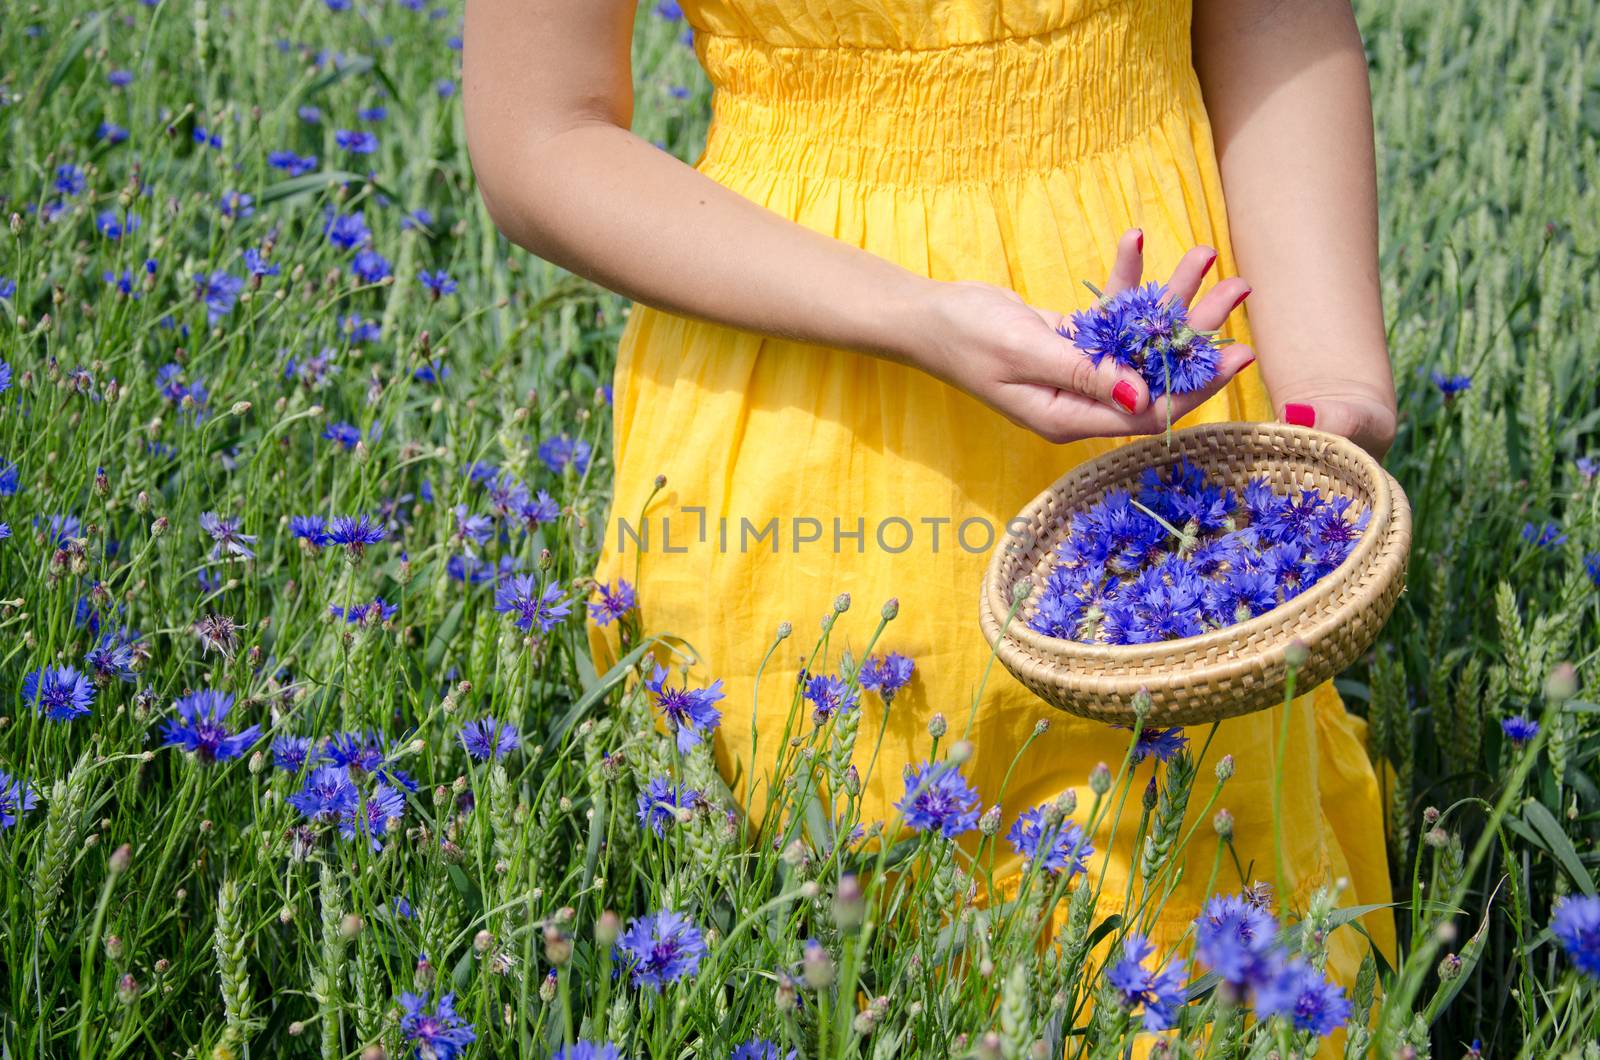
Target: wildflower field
301,749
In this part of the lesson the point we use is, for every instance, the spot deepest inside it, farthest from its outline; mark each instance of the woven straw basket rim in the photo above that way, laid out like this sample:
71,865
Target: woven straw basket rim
1225,672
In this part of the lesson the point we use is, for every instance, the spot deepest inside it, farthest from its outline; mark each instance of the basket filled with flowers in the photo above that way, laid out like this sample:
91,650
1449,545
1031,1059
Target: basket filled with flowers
1198,567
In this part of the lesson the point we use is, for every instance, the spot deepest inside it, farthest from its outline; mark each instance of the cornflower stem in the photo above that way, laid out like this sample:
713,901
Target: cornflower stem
87,972
1277,786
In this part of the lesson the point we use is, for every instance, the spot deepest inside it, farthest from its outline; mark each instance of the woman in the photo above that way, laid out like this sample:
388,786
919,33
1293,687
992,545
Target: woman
851,327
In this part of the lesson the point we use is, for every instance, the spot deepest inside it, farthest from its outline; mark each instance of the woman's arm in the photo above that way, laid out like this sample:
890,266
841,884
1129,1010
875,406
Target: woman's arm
1285,84
549,99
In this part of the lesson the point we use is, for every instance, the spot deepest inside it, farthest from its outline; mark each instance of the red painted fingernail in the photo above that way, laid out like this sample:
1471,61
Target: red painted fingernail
1140,244
1124,395
1300,415
1237,302
1246,364
1212,260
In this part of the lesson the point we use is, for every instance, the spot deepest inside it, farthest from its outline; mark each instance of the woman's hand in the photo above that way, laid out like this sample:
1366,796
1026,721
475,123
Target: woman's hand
1008,354
1365,415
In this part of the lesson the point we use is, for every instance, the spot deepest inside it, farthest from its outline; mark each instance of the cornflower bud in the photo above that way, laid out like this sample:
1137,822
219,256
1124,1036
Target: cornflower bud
891,609
1100,779
989,823
937,726
1296,654
817,966
1223,823
1225,767
547,988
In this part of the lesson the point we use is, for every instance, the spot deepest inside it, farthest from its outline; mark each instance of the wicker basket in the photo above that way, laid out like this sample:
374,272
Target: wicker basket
1229,671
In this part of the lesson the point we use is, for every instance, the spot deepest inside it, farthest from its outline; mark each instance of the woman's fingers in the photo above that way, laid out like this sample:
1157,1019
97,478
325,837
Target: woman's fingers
1172,407
1211,311
1128,266
1192,268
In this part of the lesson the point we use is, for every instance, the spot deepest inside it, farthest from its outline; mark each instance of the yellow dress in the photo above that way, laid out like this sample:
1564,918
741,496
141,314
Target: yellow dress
1008,141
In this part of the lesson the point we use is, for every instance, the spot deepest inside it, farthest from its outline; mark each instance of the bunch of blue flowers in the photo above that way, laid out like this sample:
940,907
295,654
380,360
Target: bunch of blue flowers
1183,557
1147,330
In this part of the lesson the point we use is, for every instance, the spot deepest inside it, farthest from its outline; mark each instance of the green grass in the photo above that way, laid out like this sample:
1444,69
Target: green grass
227,932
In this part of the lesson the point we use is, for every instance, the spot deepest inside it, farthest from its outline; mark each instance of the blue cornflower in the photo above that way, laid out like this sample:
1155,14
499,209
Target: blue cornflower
444,88
1548,537
373,114
219,290
1451,385
377,612
60,694
761,1049
383,805
112,657
542,509
437,1035
472,529
1160,992
5,530
114,227
1064,848
453,42
1588,467
661,948
348,435
938,799
829,695
582,1050
119,78
356,142
257,265
489,738
419,218
110,132
438,283
507,494
123,283
310,115
520,596
225,536
1235,938
1304,996
355,533
1519,728
689,712
669,10
360,330
886,674
291,753
206,138
8,290
613,603
17,797
237,205
369,266
10,476
562,452
347,231
62,529
434,371
1162,744
1591,562
309,528
362,754
69,180
199,727
1576,925
337,5
660,802
291,163
326,794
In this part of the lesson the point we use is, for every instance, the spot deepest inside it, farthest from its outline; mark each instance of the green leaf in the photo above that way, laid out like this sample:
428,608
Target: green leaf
1557,843
307,184
71,53
613,677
